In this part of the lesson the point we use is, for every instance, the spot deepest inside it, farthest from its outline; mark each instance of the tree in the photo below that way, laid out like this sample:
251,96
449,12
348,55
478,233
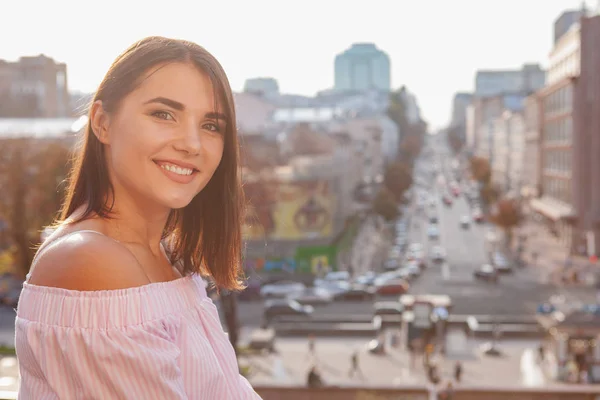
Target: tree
480,169
397,110
454,139
398,178
410,146
30,173
385,204
507,215
489,194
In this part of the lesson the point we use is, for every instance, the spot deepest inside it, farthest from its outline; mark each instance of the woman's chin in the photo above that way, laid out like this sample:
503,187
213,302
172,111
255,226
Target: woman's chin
176,203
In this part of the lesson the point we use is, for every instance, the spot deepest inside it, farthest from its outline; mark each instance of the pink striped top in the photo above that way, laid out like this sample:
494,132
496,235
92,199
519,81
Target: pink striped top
158,341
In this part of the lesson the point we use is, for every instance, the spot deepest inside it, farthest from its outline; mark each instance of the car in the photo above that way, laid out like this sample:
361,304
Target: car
501,263
393,287
281,289
356,292
313,296
412,268
382,308
433,232
478,216
465,222
486,272
275,309
438,254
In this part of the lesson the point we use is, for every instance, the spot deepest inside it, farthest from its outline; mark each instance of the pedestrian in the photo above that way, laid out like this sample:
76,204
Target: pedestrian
314,378
541,353
458,370
153,203
312,351
354,365
447,393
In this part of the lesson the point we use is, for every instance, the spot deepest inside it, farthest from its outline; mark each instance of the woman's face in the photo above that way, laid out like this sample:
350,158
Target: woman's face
165,140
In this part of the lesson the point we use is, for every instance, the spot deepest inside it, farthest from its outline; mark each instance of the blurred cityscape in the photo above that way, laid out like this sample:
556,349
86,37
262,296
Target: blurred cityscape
385,259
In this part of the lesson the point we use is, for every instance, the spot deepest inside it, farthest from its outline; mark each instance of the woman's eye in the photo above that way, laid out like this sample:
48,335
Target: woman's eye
162,115
212,127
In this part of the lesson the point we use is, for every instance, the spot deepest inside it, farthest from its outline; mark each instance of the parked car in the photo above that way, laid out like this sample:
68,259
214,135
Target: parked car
286,308
487,273
314,296
282,289
357,292
392,287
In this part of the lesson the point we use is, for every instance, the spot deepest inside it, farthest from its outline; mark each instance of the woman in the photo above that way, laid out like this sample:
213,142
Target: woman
114,306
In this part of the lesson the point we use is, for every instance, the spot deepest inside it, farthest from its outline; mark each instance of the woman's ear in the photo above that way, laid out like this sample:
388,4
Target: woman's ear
99,122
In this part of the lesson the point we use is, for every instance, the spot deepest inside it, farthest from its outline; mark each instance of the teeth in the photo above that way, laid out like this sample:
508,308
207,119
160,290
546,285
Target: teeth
176,169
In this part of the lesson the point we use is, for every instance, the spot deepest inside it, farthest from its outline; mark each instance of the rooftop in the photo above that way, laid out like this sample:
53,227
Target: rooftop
40,128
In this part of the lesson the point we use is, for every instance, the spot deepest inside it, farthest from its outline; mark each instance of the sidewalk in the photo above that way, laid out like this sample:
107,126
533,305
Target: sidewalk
518,367
553,263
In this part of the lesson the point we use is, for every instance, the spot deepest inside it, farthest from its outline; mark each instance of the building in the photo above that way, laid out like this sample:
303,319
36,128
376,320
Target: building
508,138
557,99
458,120
362,67
526,80
484,113
267,87
586,137
411,106
531,177
564,60
253,113
460,102
565,21
34,87
495,92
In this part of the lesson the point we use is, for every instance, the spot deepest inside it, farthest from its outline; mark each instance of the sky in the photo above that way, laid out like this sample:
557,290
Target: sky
435,46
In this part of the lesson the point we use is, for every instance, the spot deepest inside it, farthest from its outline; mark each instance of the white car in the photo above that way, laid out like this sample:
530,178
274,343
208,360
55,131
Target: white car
433,232
438,254
465,221
282,289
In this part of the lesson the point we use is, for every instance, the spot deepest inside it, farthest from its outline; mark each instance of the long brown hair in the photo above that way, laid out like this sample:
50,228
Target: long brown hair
204,236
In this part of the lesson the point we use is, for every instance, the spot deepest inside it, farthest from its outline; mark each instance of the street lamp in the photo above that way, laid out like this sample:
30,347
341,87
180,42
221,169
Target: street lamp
506,116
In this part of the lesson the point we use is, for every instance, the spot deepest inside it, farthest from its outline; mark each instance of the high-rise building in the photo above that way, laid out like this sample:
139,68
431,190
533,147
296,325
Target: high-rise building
34,87
362,67
565,21
267,87
489,83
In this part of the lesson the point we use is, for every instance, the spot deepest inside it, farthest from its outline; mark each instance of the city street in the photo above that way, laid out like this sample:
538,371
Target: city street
518,293
515,294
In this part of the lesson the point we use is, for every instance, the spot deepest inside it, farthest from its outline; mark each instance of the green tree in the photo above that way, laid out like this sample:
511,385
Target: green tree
507,215
385,204
30,174
398,178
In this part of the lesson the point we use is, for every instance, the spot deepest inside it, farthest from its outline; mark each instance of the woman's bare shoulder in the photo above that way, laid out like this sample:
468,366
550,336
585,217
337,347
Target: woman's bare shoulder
86,261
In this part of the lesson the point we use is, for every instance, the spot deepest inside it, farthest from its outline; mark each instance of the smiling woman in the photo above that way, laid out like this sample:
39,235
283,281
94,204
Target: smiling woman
114,299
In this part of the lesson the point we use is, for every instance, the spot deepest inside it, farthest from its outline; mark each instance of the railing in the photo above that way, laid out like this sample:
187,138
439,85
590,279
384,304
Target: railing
421,393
